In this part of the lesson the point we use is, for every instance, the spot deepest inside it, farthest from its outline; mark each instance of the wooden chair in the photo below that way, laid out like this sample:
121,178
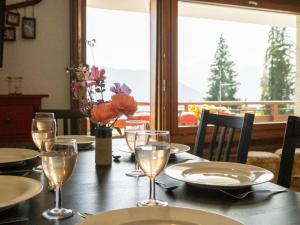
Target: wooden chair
221,142
291,138
72,120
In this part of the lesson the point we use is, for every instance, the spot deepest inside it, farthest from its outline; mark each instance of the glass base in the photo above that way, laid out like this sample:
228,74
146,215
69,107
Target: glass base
38,169
57,214
150,202
135,173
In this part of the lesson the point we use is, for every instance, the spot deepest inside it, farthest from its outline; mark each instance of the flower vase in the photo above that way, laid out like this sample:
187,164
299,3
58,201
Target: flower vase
103,146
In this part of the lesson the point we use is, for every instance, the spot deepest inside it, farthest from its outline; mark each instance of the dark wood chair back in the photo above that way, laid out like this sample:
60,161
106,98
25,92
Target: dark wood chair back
72,120
222,136
291,138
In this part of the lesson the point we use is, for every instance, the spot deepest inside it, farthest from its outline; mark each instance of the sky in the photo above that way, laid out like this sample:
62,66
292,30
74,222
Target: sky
123,42
247,44
122,38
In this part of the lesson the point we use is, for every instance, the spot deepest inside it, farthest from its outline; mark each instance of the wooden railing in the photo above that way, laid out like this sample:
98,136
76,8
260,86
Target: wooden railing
265,111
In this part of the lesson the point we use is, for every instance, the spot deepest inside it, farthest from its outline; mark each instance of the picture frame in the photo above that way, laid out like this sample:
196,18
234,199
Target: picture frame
9,34
28,27
12,18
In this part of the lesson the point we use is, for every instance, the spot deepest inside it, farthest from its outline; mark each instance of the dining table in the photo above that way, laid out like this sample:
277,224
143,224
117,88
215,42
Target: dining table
95,189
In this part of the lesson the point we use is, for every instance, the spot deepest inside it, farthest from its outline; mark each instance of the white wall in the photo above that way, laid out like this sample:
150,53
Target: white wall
41,62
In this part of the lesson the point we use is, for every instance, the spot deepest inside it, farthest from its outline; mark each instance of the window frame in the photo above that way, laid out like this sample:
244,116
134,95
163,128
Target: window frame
267,131
164,61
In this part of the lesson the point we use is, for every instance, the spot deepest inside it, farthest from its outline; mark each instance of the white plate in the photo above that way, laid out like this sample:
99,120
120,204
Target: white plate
15,189
158,216
14,155
219,174
175,148
83,141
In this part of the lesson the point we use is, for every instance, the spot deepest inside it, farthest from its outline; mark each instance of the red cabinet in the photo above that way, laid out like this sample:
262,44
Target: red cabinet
16,113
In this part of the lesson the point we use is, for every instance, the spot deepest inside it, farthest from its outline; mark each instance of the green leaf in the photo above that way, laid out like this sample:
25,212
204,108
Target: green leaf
119,130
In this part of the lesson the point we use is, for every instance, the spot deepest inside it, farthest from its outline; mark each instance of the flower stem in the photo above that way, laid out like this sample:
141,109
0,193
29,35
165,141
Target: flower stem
113,123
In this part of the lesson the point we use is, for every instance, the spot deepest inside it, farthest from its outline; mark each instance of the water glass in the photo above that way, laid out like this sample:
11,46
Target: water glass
39,115
58,160
152,157
131,127
42,129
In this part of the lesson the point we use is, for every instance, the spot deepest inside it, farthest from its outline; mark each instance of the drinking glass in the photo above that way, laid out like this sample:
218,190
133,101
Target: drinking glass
131,127
45,115
152,158
41,129
58,160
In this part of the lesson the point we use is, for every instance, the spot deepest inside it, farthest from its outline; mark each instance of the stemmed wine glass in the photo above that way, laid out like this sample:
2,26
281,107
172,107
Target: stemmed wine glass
42,128
131,127
152,156
58,160
45,115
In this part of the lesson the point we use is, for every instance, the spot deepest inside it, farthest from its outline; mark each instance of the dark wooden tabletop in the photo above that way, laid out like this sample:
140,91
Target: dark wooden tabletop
95,189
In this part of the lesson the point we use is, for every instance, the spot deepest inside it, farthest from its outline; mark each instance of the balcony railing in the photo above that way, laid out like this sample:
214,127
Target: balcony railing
265,111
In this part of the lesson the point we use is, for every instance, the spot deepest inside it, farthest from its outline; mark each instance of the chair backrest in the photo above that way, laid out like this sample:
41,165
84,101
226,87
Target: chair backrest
70,119
291,137
222,136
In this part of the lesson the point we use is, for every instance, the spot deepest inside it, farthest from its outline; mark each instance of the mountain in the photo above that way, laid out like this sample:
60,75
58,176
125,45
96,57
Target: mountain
188,94
139,82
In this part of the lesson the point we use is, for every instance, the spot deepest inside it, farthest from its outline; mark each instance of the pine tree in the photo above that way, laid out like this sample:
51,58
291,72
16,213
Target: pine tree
277,82
222,82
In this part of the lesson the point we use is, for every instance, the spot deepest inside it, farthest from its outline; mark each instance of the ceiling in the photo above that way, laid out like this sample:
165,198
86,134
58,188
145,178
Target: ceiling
197,10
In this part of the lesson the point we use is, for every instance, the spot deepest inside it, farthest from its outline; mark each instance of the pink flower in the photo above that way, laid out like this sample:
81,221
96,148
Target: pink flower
90,83
86,75
76,87
88,87
97,74
120,89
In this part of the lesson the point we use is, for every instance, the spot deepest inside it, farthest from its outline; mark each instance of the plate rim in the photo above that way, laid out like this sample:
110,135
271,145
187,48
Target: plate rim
124,144
158,208
37,190
33,156
74,137
216,186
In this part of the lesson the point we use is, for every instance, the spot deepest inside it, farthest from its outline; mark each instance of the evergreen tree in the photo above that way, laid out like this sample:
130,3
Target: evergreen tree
222,82
277,82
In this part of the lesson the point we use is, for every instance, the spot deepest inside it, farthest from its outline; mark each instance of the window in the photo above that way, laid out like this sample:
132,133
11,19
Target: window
122,33
233,61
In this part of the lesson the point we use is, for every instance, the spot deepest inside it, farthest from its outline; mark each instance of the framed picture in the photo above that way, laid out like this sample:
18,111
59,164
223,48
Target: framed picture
9,34
13,18
28,28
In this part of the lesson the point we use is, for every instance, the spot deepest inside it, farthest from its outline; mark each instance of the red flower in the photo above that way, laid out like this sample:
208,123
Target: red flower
123,104
103,113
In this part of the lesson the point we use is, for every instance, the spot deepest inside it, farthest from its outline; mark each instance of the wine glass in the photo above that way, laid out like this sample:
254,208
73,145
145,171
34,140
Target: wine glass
45,115
58,160
152,156
41,129
131,127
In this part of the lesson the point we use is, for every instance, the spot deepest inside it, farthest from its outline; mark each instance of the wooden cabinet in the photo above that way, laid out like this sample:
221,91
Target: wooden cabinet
16,113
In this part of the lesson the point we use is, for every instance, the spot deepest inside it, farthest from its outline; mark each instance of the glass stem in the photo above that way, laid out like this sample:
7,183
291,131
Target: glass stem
136,166
58,197
152,189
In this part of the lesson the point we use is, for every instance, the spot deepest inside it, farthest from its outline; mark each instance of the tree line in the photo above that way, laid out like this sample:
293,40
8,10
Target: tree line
278,78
